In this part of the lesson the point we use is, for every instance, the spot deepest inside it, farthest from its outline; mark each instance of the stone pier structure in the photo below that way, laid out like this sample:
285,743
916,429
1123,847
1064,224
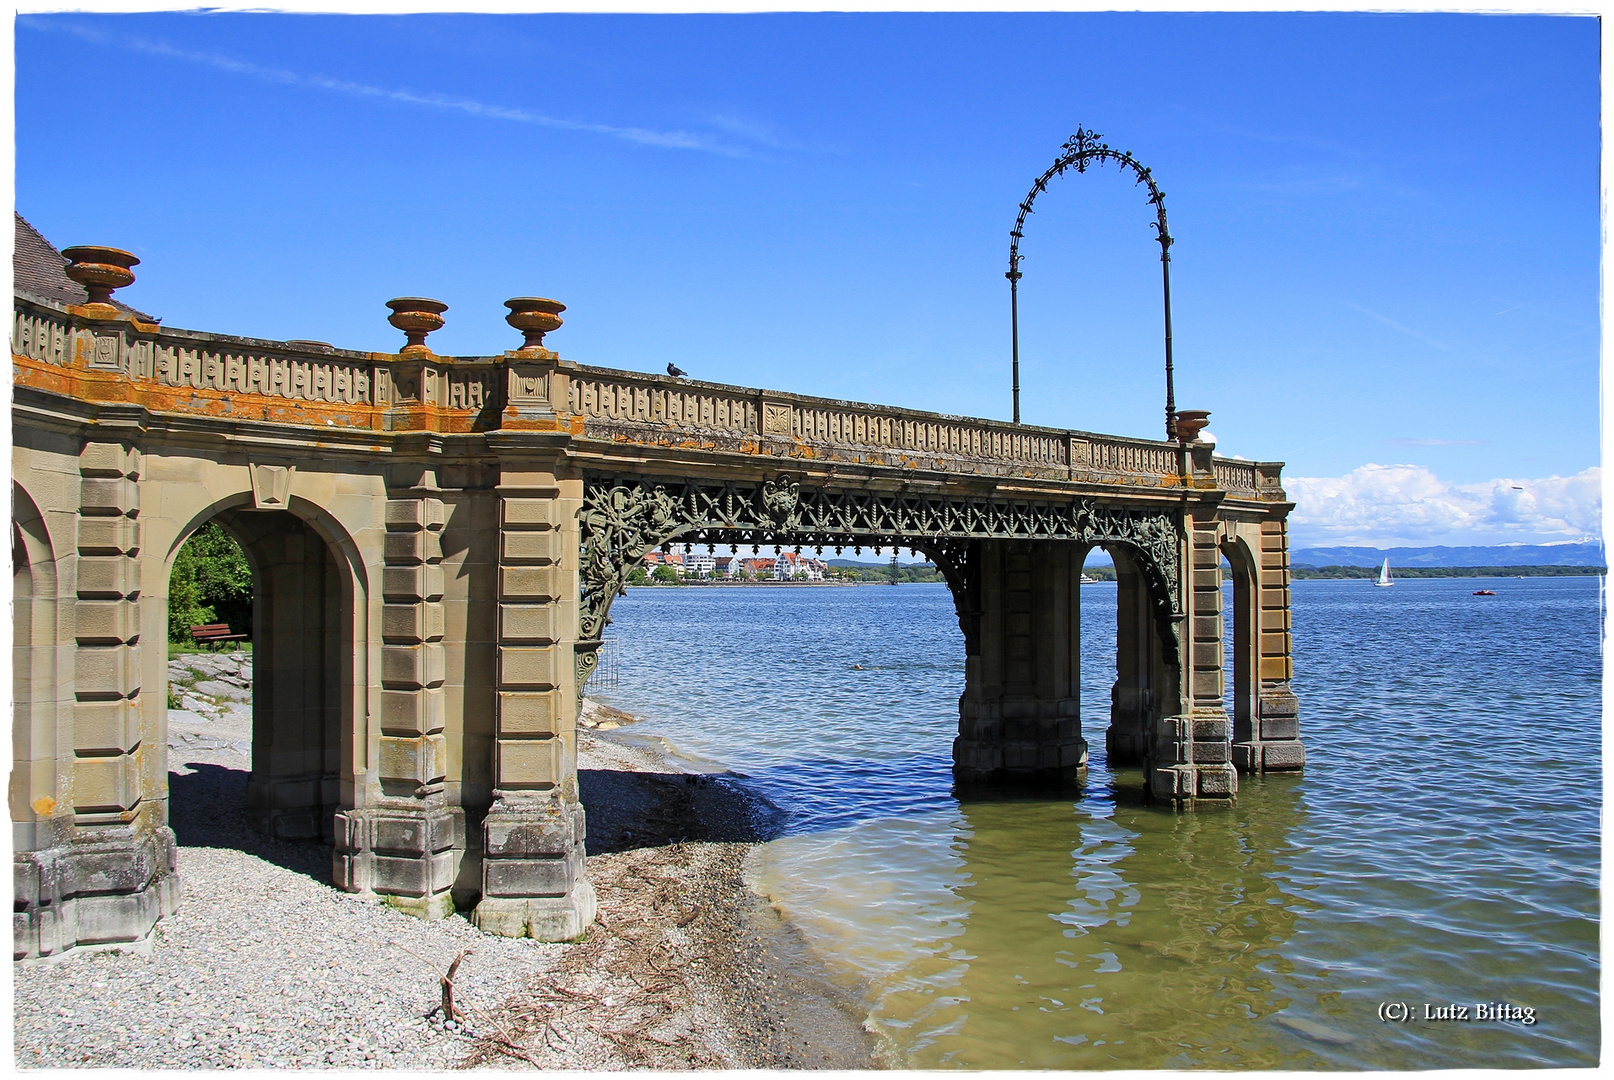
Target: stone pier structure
435,545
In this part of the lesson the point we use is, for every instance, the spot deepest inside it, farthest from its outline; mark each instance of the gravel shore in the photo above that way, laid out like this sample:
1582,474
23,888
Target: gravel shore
266,965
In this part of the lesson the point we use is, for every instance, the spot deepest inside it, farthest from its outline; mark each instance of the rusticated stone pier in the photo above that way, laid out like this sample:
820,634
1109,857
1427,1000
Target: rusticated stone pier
436,542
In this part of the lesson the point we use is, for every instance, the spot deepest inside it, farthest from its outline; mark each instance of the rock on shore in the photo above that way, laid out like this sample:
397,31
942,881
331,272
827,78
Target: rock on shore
267,965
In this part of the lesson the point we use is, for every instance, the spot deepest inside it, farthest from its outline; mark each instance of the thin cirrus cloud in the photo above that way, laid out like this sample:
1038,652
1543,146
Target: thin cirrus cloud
1387,321
1438,442
674,140
1392,505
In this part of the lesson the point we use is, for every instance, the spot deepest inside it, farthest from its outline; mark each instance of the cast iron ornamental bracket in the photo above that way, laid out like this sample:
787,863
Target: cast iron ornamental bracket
1080,150
623,520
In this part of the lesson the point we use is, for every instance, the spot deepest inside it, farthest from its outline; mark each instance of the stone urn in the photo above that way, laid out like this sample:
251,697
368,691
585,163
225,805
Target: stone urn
416,316
100,270
534,316
1190,422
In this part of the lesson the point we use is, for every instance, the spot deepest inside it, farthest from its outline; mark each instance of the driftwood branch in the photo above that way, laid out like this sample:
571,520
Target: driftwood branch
449,1012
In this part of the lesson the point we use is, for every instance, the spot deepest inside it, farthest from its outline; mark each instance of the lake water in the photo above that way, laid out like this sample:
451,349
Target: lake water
1442,846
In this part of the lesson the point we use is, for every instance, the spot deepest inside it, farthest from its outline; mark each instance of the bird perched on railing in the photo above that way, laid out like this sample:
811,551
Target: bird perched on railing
675,371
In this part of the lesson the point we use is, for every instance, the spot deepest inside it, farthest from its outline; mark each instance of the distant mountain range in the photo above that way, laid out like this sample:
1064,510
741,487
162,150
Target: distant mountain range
1499,555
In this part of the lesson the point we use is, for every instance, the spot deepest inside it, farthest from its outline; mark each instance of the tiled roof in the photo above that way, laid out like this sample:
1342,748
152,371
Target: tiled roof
38,271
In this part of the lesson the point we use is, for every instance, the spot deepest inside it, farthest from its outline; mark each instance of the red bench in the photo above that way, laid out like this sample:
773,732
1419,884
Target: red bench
213,633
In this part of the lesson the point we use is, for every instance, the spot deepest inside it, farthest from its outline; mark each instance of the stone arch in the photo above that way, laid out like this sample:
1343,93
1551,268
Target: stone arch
308,634
34,660
1244,565
1147,677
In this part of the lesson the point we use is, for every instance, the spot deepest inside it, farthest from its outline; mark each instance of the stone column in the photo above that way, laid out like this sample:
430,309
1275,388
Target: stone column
297,689
109,875
1020,714
1280,747
1190,756
1144,687
408,843
533,882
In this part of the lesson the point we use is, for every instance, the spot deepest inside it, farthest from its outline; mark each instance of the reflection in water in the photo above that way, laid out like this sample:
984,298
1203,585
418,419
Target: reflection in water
1052,934
1442,846
1153,946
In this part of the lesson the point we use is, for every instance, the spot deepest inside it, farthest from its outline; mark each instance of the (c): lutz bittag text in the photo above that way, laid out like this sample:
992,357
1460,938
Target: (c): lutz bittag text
1403,1012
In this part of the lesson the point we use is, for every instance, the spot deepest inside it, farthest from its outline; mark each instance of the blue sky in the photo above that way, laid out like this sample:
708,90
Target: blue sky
1386,268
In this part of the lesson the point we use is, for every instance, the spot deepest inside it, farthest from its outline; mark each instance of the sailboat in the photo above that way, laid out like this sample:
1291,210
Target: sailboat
1384,576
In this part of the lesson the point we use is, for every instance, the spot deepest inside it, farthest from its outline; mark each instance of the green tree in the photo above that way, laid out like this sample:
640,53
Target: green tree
637,576
666,575
211,582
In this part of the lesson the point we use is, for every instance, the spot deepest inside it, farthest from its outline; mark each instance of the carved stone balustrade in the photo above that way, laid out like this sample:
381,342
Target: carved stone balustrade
436,544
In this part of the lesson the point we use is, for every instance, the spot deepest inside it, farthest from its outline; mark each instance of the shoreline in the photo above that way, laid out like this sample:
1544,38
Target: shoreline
771,584
266,965
685,966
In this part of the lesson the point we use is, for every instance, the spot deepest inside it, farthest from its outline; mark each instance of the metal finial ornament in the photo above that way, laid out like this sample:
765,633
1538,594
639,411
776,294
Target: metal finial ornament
1078,152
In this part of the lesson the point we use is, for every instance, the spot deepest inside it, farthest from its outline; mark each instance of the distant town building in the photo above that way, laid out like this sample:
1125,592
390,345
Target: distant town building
790,566
757,568
672,560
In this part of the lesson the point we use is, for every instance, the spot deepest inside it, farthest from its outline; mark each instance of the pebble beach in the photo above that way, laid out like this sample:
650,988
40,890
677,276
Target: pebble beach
266,965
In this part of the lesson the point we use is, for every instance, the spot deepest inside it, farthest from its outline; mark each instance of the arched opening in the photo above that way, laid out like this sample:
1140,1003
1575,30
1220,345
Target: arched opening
300,674
1243,643
33,661
1145,687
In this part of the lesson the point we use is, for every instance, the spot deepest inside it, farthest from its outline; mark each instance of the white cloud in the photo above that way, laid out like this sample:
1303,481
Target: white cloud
1394,505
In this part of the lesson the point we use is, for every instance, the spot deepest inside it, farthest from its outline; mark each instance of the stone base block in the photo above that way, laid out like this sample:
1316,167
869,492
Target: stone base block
542,918
1286,756
1283,756
1126,744
1247,757
1194,786
409,854
533,870
102,888
1047,763
294,807
1217,781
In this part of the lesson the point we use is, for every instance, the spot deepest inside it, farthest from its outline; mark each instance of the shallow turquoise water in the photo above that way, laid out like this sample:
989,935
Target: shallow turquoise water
1442,846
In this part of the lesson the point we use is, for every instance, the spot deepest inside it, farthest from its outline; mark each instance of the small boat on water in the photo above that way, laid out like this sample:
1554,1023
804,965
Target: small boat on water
1089,580
1384,576
1484,592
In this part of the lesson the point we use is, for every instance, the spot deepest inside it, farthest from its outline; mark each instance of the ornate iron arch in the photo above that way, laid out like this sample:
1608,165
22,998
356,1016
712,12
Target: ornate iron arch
1078,152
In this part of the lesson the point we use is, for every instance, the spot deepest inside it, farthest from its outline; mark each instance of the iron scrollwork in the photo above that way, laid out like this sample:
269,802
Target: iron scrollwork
1081,150
1152,535
624,519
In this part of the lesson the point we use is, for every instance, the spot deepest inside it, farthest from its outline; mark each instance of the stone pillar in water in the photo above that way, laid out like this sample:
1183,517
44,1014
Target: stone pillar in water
1145,687
1020,714
1270,741
1190,754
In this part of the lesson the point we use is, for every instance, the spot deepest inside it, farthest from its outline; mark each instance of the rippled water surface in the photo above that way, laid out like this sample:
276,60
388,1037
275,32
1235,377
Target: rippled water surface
1442,846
